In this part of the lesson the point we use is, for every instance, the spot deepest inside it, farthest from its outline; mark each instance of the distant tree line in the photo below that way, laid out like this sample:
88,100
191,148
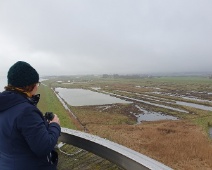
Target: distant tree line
132,76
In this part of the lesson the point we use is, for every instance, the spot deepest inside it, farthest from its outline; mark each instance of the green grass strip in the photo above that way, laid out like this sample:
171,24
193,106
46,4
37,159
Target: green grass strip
50,103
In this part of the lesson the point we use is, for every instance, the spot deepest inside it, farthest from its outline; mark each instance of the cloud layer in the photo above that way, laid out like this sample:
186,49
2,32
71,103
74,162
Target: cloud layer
95,36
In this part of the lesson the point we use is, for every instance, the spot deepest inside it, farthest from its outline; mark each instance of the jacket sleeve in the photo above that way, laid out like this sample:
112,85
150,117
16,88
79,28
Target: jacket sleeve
40,139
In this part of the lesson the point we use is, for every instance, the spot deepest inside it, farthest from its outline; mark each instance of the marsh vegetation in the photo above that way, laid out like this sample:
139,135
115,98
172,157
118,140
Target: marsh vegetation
180,139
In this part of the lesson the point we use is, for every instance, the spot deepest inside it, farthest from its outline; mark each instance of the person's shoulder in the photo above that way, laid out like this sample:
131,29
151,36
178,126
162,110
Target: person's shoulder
29,108
29,114
26,109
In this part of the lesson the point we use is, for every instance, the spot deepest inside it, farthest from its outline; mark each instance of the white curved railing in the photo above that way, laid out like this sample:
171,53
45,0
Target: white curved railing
118,154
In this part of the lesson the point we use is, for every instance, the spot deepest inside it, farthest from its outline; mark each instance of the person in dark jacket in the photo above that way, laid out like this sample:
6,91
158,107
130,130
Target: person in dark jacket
27,140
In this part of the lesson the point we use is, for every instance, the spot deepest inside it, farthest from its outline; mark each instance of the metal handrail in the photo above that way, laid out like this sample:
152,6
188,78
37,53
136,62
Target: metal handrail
118,154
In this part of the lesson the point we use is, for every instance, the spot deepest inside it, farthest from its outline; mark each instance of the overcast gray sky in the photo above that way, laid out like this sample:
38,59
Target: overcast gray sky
107,36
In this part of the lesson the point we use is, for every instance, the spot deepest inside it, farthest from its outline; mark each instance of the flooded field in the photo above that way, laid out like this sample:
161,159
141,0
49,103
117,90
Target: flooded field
81,97
152,116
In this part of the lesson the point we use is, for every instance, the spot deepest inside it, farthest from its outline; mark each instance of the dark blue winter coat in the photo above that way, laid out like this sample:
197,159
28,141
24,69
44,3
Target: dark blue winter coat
26,140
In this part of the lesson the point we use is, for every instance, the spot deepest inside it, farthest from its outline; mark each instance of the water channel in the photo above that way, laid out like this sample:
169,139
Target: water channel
198,106
194,105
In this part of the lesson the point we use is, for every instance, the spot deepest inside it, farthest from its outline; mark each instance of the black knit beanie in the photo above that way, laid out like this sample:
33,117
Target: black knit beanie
22,74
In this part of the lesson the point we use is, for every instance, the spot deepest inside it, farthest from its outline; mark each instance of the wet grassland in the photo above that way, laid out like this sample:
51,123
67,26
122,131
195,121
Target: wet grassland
167,119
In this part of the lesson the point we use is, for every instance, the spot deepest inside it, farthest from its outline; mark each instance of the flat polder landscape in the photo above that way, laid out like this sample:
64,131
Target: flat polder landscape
166,118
